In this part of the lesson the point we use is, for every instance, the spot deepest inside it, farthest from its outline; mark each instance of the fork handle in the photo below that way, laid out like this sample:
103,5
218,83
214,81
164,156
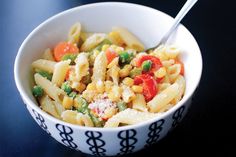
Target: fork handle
184,10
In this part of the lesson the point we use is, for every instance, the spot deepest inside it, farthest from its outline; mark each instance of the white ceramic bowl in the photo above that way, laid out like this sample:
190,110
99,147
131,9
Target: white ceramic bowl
148,25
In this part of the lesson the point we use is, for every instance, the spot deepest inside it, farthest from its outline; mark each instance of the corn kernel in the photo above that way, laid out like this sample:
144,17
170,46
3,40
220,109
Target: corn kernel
109,112
160,72
100,86
69,116
108,86
115,93
91,86
137,89
125,71
67,102
128,81
105,47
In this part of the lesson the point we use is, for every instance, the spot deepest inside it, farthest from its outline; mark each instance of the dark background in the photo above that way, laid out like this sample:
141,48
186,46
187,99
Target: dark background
208,128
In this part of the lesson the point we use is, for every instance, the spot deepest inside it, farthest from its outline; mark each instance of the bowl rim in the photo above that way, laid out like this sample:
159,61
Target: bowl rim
34,106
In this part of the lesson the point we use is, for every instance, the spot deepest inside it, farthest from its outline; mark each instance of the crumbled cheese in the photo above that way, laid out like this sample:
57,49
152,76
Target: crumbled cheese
100,105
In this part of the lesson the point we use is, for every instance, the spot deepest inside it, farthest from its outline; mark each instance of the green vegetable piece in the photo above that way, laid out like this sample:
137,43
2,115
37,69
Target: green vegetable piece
72,57
73,94
83,105
96,121
37,91
146,65
134,72
45,74
121,106
104,42
124,57
66,87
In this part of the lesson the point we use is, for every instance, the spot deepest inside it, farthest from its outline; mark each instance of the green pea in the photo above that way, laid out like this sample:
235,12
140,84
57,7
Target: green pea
66,87
124,57
146,65
37,91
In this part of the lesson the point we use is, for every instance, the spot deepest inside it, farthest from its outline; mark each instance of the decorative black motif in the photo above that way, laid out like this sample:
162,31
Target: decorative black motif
128,140
177,116
65,133
154,134
95,142
40,120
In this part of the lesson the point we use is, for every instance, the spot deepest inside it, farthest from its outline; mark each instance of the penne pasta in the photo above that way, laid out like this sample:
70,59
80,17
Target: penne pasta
139,103
48,55
59,73
50,89
129,39
44,64
127,94
163,98
82,66
92,41
128,117
74,33
106,80
173,72
59,107
182,83
48,106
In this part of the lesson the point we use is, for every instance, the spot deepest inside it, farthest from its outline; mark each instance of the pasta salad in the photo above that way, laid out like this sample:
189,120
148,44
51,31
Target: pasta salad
107,80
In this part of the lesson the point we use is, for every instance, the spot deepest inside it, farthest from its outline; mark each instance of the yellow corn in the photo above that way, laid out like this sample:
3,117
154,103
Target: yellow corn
160,72
108,86
67,102
69,116
105,47
91,86
100,86
115,93
112,96
137,89
125,71
128,81
109,112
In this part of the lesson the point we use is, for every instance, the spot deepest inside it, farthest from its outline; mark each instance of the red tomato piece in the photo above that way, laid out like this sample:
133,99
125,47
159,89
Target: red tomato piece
110,55
149,85
156,63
